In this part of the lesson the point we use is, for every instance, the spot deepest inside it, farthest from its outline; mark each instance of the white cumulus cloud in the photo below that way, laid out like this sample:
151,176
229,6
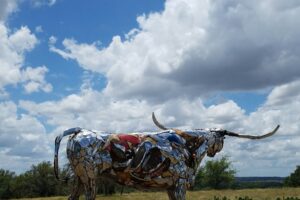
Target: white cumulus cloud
6,8
23,139
34,79
40,3
13,48
198,47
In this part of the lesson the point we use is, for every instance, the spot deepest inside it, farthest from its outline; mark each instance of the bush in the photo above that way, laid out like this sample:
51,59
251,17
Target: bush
294,179
216,174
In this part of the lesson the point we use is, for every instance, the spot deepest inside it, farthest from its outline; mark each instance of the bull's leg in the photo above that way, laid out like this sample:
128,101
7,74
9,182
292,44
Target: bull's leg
178,191
77,189
90,189
87,176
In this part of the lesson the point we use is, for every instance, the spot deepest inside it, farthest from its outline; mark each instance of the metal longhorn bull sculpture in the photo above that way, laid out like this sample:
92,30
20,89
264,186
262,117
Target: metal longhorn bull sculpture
168,159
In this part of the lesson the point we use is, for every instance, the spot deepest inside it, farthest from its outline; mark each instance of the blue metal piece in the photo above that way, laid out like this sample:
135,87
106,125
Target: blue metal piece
71,131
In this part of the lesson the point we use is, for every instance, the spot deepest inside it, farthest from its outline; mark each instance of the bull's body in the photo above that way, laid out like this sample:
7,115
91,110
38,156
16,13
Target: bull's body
159,160
166,160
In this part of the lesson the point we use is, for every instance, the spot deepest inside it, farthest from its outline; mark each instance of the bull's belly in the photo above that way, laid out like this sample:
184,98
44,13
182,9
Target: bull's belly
138,182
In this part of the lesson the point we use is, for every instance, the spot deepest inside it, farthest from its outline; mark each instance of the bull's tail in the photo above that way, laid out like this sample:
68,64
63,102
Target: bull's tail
57,143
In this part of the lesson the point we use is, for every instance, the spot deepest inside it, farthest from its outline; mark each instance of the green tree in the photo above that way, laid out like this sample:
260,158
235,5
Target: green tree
294,178
39,181
6,179
216,174
21,186
43,181
199,180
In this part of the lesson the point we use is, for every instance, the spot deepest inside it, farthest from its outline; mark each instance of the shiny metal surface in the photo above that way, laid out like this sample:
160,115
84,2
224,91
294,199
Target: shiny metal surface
168,159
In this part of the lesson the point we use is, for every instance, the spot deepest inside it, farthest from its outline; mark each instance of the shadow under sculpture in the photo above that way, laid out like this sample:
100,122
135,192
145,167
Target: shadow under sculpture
168,159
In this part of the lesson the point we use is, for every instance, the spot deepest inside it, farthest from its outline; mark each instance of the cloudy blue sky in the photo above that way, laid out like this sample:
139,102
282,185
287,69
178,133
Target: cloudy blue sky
107,64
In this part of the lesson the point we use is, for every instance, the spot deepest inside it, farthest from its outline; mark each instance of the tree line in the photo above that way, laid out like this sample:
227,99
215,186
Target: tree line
40,181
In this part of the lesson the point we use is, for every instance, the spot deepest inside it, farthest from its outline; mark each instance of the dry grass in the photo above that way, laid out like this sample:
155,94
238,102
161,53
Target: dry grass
255,194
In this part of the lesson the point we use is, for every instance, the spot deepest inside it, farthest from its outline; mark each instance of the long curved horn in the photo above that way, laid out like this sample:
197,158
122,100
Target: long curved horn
252,137
157,123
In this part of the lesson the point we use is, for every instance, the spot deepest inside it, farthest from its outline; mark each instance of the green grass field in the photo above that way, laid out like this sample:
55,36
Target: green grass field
255,194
